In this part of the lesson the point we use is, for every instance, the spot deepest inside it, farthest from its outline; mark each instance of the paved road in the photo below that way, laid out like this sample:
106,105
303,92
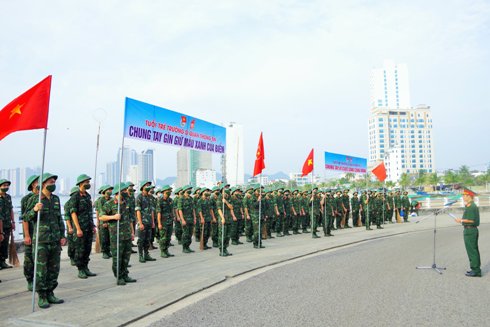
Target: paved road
371,284
99,302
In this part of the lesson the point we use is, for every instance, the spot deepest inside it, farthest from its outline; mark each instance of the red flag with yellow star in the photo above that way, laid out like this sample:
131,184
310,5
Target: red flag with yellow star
380,171
28,111
308,165
259,157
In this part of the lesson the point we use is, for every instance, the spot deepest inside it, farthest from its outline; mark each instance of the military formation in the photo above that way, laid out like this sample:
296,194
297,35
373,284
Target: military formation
217,218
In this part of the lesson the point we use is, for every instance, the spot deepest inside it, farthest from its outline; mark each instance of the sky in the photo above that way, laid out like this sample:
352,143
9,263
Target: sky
296,70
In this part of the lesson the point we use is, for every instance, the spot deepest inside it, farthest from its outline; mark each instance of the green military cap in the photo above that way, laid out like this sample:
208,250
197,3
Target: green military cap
3,181
152,186
249,188
315,188
197,190
31,180
280,189
144,183
215,188
187,187
130,183
83,178
120,187
177,190
73,190
104,188
258,187
227,191
234,189
166,188
47,176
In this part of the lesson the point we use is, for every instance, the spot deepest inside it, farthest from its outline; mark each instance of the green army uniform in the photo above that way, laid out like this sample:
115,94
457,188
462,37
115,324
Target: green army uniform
414,206
269,213
224,230
111,208
327,209
51,232
165,213
144,205
330,207
315,213
470,235
253,203
204,207
28,258
241,218
306,212
339,211
197,226
81,206
355,207
7,218
67,217
154,227
346,203
281,217
103,228
367,209
177,223
296,202
397,201
186,207
237,210
247,205
214,224
131,201
389,214
288,211
405,204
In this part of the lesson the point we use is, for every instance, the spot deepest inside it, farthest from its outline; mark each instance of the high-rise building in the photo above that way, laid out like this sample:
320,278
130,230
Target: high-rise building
403,139
234,160
112,173
399,135
145,166
188,162
390,86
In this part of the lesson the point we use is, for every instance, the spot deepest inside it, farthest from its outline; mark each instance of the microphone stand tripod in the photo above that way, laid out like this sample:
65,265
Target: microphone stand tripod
434,265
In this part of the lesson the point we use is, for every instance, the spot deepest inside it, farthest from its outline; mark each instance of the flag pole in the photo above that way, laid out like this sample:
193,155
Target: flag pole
260,211
95,179
40,183
312,203
222,224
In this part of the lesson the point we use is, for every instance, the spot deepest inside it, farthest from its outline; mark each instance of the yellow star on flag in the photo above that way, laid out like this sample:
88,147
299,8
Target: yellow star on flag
310,162
16,110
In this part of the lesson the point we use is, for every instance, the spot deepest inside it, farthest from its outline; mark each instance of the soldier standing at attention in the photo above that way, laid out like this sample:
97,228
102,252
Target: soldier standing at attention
397,201
71,237
33,187
405,203
144,214
178,225
82,217
109,213
315,204
7,216
50,239
346,207
197,227
105,243
165,219
471,221
355,205
237,210
214,223
225,219
187,218
132,209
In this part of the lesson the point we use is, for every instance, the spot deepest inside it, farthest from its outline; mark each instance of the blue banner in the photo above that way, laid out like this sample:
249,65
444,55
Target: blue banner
146,122
345,163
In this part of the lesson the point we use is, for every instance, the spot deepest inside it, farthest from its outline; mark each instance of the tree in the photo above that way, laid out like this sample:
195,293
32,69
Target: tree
450,177
464,176
432,179
404,180
390,184
420,179
349,177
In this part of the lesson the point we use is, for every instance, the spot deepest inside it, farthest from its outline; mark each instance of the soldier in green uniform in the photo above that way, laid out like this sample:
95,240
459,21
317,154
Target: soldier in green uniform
205,214
405,206
305,211
114,211
327,213
380,203
356,207
82,217
177,225
7,217
397,201
238,212
270,206
50,239
366,208
225,219
27,227
214,222
197,227
144,215
255,200
188,218
389,200
67,216
132,209
470,222
105,243
154,229
165,217
247,208
280,221
316,214
288,211
346,208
